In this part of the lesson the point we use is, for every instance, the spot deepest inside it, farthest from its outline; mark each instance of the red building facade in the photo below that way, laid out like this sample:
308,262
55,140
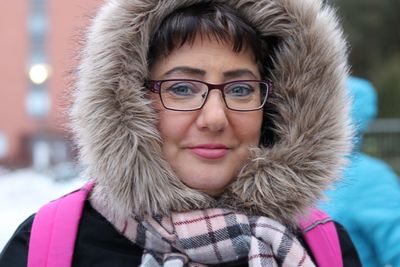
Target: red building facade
40,41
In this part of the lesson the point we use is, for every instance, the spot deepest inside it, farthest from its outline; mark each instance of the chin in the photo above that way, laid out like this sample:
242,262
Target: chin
212,180
210,188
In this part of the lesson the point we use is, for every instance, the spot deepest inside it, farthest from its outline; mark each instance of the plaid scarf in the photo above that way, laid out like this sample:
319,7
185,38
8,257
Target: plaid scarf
214,236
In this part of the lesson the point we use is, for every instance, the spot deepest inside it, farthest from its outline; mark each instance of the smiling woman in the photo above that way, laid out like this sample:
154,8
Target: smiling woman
193,160
212,138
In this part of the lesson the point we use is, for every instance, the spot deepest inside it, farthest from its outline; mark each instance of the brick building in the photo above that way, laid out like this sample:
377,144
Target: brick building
39,43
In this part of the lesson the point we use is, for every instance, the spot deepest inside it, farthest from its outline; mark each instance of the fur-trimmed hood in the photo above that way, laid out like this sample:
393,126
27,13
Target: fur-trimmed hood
115,126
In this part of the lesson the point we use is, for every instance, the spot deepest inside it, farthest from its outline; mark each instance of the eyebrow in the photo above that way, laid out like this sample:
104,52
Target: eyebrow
186,70
199,72
239,73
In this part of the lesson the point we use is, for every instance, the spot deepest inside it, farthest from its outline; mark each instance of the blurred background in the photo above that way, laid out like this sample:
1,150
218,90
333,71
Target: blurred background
373,31
39,45
38,51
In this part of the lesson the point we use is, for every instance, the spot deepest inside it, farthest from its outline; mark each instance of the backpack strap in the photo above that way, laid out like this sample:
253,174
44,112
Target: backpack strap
54,230
321,236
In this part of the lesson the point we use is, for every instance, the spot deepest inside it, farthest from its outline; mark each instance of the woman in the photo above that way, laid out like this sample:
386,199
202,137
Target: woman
231,115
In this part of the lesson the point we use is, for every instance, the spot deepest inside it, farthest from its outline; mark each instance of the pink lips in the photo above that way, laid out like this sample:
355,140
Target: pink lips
210,151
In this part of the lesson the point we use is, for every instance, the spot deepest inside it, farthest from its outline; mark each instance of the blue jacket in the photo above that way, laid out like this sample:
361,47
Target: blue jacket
367,200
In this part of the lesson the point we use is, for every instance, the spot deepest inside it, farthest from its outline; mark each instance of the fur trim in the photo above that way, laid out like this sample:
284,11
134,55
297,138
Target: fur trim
119,143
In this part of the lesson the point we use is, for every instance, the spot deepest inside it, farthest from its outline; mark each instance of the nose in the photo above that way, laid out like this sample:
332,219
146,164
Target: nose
213,114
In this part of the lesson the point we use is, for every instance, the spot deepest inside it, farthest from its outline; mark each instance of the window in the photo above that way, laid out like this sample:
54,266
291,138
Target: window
3,145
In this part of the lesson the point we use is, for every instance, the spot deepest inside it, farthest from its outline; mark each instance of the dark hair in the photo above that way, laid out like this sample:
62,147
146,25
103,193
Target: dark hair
209,20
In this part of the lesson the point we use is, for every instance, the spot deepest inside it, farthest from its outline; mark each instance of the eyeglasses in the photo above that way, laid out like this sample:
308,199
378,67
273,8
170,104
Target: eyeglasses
189,95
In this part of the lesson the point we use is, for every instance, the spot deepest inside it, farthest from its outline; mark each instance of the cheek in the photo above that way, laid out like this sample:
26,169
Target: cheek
168,124
173,126
248,128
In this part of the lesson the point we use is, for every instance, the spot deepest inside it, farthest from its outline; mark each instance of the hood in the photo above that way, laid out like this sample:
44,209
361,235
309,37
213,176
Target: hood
364,103
115,126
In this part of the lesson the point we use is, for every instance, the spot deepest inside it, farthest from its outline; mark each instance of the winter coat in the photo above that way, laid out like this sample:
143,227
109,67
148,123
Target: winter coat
100,244
372,188
305,141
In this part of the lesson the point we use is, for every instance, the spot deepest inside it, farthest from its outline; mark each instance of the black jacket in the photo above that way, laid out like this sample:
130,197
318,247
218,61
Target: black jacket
99,244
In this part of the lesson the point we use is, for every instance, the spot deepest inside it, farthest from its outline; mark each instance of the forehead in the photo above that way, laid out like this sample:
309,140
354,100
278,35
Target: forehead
208,55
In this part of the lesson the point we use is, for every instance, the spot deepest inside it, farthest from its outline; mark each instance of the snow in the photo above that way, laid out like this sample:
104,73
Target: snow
23,192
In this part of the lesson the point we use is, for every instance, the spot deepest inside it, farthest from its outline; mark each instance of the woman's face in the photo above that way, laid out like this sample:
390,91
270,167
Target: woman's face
207,148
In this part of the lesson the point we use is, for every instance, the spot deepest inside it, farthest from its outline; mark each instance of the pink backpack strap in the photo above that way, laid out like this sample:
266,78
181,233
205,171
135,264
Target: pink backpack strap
54,230
320,233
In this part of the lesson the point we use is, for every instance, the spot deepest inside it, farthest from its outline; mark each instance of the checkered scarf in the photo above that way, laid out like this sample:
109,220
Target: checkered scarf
214,236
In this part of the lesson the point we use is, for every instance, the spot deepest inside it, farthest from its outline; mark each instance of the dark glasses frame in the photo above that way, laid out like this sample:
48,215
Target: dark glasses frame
155,87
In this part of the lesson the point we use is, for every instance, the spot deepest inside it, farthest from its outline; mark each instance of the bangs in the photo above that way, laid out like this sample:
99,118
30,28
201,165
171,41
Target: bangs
204,20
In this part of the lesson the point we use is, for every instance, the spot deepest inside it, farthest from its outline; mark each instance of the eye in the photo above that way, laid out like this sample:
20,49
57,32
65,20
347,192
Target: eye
239,90
183,89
